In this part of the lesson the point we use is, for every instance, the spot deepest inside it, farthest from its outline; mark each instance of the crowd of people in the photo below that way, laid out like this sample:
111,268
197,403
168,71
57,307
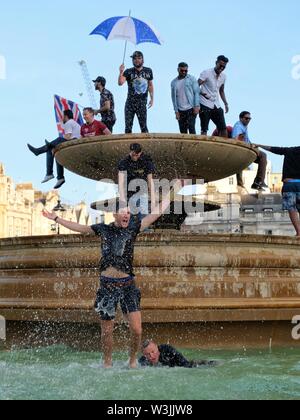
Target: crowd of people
117,279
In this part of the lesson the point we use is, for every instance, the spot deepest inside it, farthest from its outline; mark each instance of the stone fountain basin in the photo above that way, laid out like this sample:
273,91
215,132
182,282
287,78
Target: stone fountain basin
198,290
175,156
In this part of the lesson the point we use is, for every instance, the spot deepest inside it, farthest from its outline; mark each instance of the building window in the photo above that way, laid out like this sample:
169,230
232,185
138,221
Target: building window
220,213
231,181
269,232
249,211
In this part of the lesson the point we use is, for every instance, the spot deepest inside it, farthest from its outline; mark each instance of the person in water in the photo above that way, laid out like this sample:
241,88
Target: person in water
117,281
166,355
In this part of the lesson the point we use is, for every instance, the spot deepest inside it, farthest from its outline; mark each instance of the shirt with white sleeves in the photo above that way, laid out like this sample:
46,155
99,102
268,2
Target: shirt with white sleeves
211,88
73,128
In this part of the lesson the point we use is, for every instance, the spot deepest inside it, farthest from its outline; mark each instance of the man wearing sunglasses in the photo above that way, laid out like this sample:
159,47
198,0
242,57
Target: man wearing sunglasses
186,99
240,132
212,83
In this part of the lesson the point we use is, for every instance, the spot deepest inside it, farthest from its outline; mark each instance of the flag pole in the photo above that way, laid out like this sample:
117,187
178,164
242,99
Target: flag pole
126,43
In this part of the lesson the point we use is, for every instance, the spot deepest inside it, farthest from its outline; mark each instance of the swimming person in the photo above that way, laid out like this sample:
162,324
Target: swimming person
166,355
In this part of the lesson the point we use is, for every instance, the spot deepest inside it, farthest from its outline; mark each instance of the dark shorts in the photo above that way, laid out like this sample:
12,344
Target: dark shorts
110,295
291,196
215,115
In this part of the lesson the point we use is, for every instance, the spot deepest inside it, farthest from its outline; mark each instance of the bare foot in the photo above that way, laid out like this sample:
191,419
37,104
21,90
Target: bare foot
108,365
133,364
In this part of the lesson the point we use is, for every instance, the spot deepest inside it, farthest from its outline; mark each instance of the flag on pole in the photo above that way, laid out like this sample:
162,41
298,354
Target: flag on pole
61,105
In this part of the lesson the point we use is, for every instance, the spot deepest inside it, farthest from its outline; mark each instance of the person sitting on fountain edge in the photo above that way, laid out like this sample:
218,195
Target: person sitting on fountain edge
117,281
71,132
291,181
166,355
240,132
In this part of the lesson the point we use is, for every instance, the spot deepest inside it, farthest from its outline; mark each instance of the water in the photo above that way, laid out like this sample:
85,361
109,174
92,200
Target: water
59,373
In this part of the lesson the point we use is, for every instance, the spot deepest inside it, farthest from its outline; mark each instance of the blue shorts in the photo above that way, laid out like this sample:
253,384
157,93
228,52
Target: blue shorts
114,292
291,196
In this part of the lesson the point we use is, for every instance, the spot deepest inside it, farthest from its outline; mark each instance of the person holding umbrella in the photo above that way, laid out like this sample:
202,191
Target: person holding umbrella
140,84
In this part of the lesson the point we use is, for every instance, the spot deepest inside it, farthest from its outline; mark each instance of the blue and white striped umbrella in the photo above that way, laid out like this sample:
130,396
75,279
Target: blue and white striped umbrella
129,29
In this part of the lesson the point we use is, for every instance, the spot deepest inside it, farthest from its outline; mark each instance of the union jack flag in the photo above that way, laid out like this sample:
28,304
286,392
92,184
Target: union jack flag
61,105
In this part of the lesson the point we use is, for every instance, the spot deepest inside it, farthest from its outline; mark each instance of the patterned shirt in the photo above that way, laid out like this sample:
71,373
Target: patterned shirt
107,116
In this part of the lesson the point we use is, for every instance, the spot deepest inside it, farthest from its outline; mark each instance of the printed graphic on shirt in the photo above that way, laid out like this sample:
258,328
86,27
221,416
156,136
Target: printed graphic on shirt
140,86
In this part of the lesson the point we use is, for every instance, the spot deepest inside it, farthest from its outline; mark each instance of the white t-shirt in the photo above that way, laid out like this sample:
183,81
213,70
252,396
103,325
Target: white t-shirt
73,128
182,100
211,88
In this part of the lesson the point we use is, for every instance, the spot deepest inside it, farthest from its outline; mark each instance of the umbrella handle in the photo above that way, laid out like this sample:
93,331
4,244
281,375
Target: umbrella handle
125,50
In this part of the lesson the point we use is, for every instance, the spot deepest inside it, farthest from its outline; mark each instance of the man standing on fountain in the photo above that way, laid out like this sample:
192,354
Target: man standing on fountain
140,83
117,278
212,83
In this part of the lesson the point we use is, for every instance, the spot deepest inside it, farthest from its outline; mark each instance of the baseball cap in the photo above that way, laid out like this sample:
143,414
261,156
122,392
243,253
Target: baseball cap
137,54
101,80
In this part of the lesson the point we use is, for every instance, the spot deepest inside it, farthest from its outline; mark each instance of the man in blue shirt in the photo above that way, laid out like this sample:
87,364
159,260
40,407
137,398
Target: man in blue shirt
240,132
186,99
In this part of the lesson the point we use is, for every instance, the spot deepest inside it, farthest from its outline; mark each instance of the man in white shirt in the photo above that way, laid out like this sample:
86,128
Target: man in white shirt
71,132
212,83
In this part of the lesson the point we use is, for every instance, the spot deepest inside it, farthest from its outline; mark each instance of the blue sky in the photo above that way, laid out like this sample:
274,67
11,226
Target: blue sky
43,41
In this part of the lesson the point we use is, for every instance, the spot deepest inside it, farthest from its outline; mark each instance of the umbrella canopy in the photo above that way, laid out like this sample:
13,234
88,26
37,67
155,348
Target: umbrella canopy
129,29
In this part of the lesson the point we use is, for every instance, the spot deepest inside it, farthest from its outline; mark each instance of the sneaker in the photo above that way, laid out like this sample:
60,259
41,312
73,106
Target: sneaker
264,185
47,178
60,182
257,186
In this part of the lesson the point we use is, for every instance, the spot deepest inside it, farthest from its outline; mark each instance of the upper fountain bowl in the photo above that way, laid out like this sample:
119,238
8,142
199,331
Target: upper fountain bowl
175,156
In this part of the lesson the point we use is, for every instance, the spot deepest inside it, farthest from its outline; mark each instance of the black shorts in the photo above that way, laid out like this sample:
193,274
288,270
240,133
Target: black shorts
110,296
216,115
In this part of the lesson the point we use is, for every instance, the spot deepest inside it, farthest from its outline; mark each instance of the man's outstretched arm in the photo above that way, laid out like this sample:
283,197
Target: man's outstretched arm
75,227
267,148
161,208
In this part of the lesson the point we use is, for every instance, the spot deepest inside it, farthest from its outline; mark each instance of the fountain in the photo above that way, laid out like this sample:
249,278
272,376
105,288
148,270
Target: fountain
221,291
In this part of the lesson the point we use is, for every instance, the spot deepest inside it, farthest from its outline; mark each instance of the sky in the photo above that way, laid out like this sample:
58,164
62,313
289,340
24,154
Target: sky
41,43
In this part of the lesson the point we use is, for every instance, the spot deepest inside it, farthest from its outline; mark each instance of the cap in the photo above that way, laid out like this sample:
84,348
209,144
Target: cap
101,80
137,54
136,148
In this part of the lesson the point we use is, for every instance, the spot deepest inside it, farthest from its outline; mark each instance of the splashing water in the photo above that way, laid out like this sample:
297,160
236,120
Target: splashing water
61,373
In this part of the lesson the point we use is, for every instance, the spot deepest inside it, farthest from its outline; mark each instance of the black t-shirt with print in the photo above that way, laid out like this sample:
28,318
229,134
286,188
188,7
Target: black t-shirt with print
117,246
138,82
137,170
110,115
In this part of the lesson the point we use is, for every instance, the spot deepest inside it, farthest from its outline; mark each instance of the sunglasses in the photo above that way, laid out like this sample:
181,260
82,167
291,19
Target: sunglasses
247,118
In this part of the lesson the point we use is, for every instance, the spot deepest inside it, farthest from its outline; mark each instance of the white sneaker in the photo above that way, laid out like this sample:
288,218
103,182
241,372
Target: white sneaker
60,182
47,178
